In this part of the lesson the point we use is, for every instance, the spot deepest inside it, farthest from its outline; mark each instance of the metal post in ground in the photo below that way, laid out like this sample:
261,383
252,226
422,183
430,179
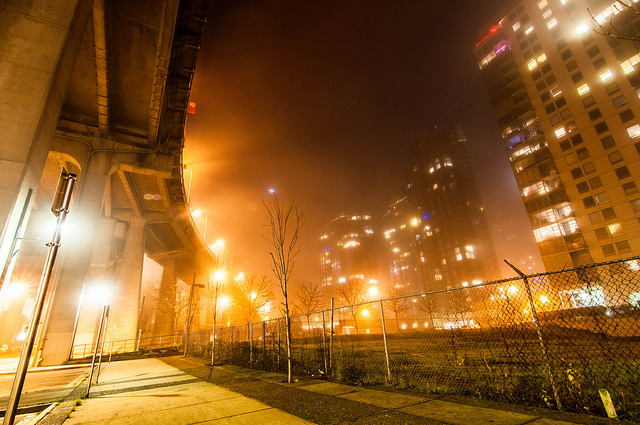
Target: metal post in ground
250,344
384,338
543,345
60,209
331,340
278,357
232,329
95,350
138,340
324,343
104,333
264,343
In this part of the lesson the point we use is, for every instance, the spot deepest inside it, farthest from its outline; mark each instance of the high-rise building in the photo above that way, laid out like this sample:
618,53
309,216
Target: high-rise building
349,251
452,241
401,230
566,101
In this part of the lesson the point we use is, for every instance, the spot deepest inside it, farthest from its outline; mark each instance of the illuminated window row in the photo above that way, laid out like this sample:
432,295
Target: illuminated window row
555,230
494,53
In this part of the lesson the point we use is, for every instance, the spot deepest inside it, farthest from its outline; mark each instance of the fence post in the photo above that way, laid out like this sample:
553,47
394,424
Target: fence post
250,344
384,338
138,340
264,343
324,343
543,345
232,329
331,339
278,358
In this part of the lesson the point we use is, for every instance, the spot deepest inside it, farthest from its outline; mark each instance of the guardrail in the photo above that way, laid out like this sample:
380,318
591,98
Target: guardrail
128,345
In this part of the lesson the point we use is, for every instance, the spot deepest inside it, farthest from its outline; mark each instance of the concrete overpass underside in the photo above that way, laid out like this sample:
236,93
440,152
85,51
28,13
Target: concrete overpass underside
99,88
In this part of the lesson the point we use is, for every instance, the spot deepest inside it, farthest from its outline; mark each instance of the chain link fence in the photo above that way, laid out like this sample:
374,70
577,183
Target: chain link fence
554,339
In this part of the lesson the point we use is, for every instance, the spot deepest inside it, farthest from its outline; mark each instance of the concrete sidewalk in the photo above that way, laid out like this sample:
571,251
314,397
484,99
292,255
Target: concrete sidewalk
151,391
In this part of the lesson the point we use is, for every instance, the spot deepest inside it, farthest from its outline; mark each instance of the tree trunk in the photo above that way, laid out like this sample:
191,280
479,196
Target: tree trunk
288,331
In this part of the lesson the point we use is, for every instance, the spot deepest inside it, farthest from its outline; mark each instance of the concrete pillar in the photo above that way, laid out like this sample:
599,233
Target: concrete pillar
86,248
125,304
166,306
39,45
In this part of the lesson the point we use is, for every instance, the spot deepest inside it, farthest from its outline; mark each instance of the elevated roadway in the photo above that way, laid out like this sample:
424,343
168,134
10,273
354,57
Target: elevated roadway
99,88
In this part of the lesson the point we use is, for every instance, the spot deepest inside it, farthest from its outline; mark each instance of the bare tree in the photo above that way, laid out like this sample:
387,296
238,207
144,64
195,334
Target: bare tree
352,292
251,296
216,286
309,300
397,303
608,28
285,224
429,303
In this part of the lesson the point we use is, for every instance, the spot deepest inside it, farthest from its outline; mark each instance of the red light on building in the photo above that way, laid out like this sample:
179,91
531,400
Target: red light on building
191,108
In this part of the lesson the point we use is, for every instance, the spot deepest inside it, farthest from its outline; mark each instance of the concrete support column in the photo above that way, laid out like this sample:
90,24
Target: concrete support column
125,304
166,309
40,43
85,252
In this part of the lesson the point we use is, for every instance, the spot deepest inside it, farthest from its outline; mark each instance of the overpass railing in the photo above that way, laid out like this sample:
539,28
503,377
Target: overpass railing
568,339
123,346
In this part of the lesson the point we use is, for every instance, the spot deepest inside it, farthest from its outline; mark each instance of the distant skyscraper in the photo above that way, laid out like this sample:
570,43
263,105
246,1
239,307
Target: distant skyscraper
401,238
452,246
349,250
566,100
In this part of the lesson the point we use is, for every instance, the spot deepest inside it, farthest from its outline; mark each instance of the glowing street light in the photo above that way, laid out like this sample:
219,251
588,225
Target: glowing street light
239,277
373,291
198,213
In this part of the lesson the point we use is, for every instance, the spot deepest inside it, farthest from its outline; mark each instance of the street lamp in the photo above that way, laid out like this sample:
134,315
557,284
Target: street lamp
198,213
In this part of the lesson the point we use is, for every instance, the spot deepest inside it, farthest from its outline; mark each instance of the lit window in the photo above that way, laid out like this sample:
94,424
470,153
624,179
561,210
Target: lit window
516,26
542,58
634,131
560,132
547,232
435,186
583,89
542,4
582,28
476,282
564,2
615,229
546,14
438,277
465,284
431,170
528,30
606,75
532,64
555,91
626,67
552,23
437,166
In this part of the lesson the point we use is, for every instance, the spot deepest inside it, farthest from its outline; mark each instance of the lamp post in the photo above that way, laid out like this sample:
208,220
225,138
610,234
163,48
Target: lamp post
187,322
198,213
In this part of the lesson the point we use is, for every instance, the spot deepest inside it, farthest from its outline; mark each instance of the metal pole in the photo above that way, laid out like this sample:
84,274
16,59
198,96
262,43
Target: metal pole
250,344
384,338
331,339
137,340
232,329
62,210
104,334
324,342
187,323
264,343
278,357
95,349
543,345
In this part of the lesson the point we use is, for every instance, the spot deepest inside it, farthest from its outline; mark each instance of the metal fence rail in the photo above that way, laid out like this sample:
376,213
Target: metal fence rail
128,345
550,339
